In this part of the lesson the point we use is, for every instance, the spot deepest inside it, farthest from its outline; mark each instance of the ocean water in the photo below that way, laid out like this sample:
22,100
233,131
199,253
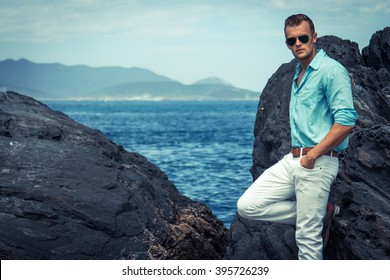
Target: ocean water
204,147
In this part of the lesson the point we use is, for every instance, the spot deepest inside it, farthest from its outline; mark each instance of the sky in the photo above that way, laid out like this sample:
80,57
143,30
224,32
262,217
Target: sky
239,41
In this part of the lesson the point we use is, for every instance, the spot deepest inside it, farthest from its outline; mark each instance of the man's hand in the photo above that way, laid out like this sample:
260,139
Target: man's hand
307,162
334,137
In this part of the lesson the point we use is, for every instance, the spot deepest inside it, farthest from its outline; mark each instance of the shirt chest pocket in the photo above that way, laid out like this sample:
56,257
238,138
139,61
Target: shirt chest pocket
311,96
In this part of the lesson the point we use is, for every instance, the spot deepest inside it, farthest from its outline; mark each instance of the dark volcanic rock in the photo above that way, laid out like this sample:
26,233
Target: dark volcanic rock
362,230
377,54
68,192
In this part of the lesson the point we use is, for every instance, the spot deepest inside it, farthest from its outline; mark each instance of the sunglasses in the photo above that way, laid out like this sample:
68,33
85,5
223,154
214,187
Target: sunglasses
303,39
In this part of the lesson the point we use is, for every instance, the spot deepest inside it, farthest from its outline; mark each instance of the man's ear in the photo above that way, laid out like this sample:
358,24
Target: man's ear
315,37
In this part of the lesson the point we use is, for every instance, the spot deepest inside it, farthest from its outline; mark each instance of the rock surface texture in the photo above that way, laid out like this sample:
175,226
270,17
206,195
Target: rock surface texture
68,192
362,188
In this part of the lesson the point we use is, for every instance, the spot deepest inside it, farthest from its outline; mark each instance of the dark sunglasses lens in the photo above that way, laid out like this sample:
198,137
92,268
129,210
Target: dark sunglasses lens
303,39
291,41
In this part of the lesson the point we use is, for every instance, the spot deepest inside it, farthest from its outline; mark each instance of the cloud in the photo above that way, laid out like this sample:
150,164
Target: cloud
380,7
55,21
330,7
49,21
58,21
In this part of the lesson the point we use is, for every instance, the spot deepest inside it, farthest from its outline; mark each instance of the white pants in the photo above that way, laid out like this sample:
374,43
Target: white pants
267,199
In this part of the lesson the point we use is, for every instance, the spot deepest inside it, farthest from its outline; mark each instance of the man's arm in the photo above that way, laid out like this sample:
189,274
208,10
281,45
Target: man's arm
335,136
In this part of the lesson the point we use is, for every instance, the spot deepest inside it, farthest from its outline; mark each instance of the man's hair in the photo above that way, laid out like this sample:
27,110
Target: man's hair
295,20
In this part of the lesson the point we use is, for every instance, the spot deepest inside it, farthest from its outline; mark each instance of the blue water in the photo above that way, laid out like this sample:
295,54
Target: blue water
205,148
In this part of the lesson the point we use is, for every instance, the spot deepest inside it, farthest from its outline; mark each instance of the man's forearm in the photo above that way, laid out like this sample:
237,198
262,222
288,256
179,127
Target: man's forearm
335,136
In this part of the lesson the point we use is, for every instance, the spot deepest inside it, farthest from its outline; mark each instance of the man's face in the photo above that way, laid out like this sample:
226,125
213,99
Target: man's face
301,50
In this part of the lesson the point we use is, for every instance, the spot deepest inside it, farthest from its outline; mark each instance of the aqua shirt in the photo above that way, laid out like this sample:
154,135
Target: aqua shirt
324,97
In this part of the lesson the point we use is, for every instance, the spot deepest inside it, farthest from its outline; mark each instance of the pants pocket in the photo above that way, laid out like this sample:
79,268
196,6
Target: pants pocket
324,172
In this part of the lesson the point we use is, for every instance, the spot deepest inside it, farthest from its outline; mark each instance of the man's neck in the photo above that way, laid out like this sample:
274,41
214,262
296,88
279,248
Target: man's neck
306,61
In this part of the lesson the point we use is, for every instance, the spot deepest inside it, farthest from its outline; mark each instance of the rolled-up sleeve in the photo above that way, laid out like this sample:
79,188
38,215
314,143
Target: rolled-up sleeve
339,94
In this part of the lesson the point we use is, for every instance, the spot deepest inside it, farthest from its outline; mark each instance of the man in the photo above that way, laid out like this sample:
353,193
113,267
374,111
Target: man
321,117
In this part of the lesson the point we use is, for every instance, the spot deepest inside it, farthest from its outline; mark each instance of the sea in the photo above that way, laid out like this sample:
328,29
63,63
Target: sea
204,147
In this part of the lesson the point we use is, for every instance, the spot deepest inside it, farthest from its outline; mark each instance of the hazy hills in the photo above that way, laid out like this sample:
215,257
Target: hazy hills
57,81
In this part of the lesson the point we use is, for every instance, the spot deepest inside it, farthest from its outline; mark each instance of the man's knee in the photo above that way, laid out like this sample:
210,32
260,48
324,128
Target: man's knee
247,210
242,208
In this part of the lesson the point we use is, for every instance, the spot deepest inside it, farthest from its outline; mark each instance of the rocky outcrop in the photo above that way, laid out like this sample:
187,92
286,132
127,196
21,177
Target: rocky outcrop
68,192
377,54
362,187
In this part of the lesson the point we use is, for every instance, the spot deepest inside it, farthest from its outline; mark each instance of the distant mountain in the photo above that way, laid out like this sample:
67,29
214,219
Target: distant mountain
60,81
174,91
57,81
213,81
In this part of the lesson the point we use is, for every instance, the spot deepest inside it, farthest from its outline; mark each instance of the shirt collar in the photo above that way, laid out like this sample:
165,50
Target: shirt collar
314,64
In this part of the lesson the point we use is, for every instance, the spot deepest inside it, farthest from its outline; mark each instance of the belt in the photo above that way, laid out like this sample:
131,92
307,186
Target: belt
296,152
